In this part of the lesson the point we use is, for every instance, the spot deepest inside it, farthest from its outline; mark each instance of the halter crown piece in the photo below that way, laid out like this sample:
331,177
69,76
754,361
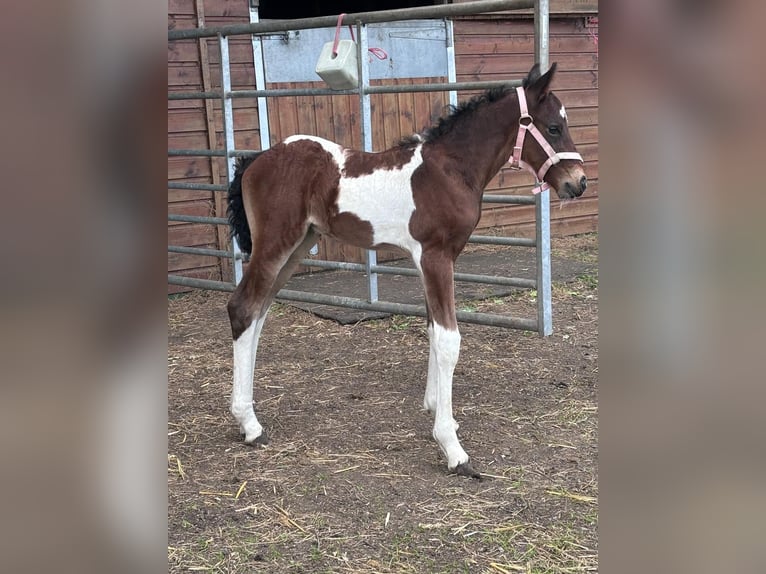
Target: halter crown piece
526,125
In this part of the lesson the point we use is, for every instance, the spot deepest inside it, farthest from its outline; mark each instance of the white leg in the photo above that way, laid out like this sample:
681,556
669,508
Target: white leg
245,348
429,400
445,347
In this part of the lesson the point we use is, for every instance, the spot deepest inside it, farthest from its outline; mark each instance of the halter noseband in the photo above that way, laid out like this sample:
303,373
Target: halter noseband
553,156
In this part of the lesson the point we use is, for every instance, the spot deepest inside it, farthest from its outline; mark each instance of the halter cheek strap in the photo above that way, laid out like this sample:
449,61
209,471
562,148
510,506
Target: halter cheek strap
527,125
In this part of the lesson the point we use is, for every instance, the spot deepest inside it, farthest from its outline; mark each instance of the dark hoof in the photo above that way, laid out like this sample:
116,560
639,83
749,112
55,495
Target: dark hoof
466,469
261,440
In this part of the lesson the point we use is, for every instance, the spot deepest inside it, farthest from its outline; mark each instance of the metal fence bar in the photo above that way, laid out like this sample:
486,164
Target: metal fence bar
517,199
353,303
228,132
411,272
542,9
438,11
511,241
195,283
404,309
386,89
201,251
260,81
197,152
365,109
200,186
214,95
543,256
451,65
198,219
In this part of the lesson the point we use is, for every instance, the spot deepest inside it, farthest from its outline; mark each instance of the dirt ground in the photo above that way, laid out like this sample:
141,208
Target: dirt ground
352,480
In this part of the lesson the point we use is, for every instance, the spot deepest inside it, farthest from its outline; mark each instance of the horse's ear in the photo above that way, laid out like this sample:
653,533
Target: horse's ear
538,86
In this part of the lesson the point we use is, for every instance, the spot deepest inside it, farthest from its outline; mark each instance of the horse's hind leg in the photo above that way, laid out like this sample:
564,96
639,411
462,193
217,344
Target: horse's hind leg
248,307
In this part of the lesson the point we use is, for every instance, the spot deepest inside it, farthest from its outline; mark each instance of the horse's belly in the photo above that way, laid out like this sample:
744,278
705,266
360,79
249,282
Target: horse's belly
384,200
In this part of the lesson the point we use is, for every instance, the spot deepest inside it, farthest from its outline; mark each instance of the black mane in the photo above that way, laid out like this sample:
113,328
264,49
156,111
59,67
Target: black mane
456,113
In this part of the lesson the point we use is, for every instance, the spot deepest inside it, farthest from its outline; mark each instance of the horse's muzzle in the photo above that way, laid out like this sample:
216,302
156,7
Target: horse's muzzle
572,189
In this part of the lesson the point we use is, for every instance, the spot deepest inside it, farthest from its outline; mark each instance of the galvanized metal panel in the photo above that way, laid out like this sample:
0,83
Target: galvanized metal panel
416,49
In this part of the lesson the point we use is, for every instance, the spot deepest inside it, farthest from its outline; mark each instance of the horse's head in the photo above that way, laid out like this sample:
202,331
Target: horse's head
550,153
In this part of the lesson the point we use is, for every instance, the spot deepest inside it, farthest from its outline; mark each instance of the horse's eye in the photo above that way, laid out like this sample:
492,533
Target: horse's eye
554,130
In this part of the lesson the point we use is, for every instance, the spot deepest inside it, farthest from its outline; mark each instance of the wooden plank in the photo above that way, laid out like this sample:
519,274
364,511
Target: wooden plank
558,7
191,235
306,116
519,64
185,261
582,116
283,117
187,140
325,117
422,112
518,23
185,74
179,195
183,104
188,167
497,68
582,135
390,112
181,7
181,22
406,105
186,121
202,208
521,44
212,273
340,122
227,8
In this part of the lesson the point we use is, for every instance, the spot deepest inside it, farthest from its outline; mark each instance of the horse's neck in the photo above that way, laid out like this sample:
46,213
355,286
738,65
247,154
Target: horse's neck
484,146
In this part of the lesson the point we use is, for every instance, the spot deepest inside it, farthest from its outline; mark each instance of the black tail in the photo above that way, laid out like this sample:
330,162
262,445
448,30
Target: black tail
236,209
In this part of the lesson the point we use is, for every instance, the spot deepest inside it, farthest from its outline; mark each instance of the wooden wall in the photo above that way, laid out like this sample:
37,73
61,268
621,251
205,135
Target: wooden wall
486,49
194,65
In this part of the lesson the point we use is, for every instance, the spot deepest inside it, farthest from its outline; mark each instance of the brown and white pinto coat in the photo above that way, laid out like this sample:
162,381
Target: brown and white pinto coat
423,196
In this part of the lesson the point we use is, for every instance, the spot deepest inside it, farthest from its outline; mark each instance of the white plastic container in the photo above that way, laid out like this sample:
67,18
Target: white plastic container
340,73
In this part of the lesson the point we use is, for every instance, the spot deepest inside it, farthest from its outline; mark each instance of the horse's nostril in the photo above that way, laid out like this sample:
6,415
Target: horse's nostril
583,183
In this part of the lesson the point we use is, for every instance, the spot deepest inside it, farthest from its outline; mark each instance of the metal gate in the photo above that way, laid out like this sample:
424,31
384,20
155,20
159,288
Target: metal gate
362,21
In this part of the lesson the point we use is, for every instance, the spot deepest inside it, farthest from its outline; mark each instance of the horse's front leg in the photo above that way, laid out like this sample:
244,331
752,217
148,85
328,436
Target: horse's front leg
445,346
444,342
430,397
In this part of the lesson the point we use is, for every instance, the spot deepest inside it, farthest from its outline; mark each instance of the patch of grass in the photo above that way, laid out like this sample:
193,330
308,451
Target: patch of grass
589,280
401,322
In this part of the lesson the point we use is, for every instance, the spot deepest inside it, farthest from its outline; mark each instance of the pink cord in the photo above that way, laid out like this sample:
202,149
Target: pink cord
379,53
337,35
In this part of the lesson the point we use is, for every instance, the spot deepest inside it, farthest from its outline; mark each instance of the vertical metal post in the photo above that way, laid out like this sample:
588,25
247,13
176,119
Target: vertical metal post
542,9
543,256
542,202
363,70
260,81
451,68
228,130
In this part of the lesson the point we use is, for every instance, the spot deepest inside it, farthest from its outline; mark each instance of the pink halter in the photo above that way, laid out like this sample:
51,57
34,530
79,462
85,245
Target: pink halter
553,156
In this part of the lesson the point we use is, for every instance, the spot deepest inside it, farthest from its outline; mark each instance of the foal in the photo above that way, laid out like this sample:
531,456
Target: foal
423,196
